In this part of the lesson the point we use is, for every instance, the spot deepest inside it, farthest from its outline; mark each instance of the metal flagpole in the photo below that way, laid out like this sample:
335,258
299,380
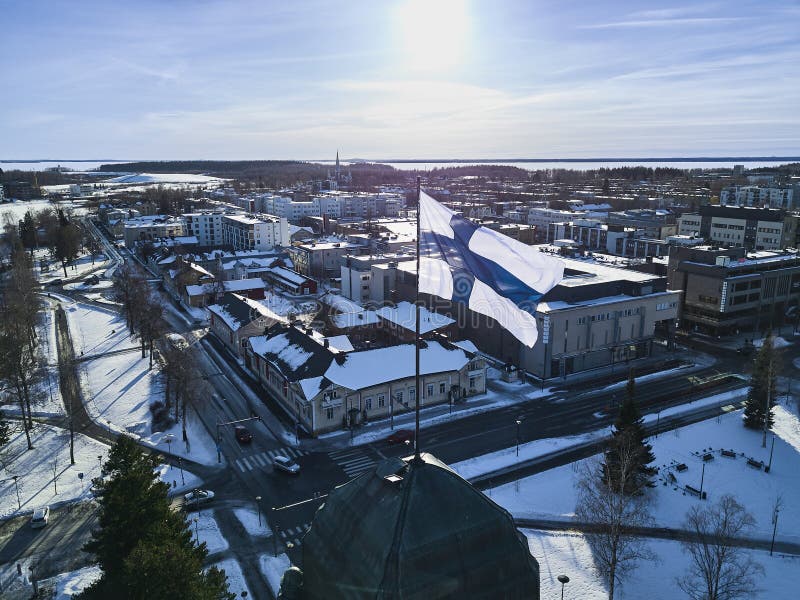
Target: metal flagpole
418,393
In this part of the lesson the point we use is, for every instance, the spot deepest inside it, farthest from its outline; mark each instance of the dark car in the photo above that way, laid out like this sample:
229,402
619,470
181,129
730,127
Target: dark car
400,436
243,435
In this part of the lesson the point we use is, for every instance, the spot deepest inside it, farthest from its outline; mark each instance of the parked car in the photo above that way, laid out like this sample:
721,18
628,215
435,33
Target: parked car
40,517
286,464
55,282
243,435
197,497
400,436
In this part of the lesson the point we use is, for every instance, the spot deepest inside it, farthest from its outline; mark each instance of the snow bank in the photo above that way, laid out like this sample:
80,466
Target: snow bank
273,568
205,527
236,581
249,520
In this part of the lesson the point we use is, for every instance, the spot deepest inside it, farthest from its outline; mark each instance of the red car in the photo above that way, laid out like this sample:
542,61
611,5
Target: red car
401,436
243,436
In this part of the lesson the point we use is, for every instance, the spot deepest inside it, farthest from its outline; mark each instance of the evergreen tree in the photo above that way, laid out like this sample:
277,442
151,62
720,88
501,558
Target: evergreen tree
629,432
144,548
762,387
5,431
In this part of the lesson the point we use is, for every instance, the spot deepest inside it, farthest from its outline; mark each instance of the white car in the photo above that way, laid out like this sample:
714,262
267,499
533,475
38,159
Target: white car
40,517
197,497
286,464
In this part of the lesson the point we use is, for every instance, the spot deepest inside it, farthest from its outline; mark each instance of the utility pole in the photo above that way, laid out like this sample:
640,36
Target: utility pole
766,409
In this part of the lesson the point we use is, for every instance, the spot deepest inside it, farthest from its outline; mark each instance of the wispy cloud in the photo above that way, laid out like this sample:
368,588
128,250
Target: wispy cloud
670,22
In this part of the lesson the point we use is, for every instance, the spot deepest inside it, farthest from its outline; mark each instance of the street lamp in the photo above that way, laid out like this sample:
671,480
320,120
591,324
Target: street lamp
564,580
258,506
196,533
16,486
519,422
180,467
168,439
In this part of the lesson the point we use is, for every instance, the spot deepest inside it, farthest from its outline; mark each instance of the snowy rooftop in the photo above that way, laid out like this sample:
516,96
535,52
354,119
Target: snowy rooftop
404,315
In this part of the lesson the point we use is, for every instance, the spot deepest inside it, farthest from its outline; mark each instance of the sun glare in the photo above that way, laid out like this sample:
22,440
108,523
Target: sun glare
434,33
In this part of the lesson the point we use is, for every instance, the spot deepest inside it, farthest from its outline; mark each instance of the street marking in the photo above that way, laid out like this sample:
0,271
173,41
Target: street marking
246,463
259,460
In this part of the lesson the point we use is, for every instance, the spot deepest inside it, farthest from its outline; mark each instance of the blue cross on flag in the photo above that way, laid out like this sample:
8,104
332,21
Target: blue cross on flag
487,271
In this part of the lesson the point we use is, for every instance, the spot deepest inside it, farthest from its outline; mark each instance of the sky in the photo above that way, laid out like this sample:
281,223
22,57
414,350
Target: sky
265,79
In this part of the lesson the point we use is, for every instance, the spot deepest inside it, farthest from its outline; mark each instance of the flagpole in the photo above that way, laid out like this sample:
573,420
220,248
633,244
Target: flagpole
418,394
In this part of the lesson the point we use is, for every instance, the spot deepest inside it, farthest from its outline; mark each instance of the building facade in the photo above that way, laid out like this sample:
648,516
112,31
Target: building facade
255,232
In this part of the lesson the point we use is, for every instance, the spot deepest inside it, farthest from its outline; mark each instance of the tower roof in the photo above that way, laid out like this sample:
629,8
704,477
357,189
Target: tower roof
414,529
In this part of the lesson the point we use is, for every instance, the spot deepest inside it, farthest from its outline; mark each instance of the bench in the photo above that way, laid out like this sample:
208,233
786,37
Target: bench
695,492
728,453
757,464
681,467
708,456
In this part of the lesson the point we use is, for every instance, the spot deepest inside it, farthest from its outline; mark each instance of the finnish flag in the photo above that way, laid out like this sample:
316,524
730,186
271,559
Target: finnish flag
489,272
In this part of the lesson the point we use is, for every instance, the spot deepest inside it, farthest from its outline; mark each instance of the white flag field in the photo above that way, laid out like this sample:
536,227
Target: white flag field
483,269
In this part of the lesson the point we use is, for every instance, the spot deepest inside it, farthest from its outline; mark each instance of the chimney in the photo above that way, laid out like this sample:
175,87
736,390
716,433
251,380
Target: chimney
326,343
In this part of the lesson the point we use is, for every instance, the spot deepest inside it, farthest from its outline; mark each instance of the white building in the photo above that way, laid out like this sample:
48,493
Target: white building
206,226
751,195
542,217
152,227
255,232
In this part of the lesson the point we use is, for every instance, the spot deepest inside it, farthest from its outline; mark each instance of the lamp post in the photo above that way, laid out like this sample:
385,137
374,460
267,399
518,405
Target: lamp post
16,486
196,532
771,450
258,506
774,529
180,467
564,580
519,422
168,439
702,479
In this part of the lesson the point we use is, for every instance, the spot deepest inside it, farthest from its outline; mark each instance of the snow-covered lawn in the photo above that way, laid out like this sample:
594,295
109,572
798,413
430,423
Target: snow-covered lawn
551,493
71,584
34,469
178,482
207,529
81,266
250,521
120,388
569,554
273,568
236,582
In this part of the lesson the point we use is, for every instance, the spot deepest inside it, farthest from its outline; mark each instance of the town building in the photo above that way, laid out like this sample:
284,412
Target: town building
206,226
151,227
655,224
321,258
325,389
204,294
730,290
236,318
766,197
254,232
749,227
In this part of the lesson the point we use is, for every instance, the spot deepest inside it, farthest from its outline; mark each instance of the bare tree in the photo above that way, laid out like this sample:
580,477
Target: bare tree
719,569
612,514
151,323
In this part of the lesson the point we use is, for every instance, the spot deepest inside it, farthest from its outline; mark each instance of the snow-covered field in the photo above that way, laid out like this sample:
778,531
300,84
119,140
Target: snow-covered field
36,479
205,527
273,568
236,582
119,388
551,495
250,521
569,554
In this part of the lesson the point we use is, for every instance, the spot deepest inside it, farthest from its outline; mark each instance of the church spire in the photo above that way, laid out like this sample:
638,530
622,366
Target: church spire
338,173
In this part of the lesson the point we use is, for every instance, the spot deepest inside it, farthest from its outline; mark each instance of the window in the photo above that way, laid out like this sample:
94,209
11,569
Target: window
399,396
329,414
412,394
381,401
430,390
368,404
442,387
472,383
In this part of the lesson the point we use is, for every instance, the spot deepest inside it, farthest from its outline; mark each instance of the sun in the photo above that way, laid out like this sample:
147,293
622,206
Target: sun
434,33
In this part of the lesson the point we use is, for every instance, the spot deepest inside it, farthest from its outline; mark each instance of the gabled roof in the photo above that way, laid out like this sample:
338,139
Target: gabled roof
237,311
404,315
296,354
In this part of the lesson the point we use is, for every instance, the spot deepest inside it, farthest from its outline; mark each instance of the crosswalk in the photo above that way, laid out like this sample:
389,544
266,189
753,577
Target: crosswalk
352,460
262,459
294,535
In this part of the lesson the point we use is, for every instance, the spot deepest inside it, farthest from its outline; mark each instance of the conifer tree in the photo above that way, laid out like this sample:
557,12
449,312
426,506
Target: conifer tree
629,431
144,548
762,387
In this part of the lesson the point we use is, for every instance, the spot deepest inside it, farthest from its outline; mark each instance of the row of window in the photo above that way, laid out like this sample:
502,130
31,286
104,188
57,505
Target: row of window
628,312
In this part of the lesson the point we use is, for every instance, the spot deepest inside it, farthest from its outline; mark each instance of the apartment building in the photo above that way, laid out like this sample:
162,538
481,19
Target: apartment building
254,232
152,227
749,227
321,258
206,226
729,289
752,195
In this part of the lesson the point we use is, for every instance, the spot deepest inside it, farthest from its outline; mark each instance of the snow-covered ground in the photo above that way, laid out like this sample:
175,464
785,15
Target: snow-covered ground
205,527
273,568
81,266
119,388
236,582
777,342
250,521
71,584
569,554
34,469
551,494
178,482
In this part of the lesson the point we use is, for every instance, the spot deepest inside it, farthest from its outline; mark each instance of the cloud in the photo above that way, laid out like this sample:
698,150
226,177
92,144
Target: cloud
670,22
